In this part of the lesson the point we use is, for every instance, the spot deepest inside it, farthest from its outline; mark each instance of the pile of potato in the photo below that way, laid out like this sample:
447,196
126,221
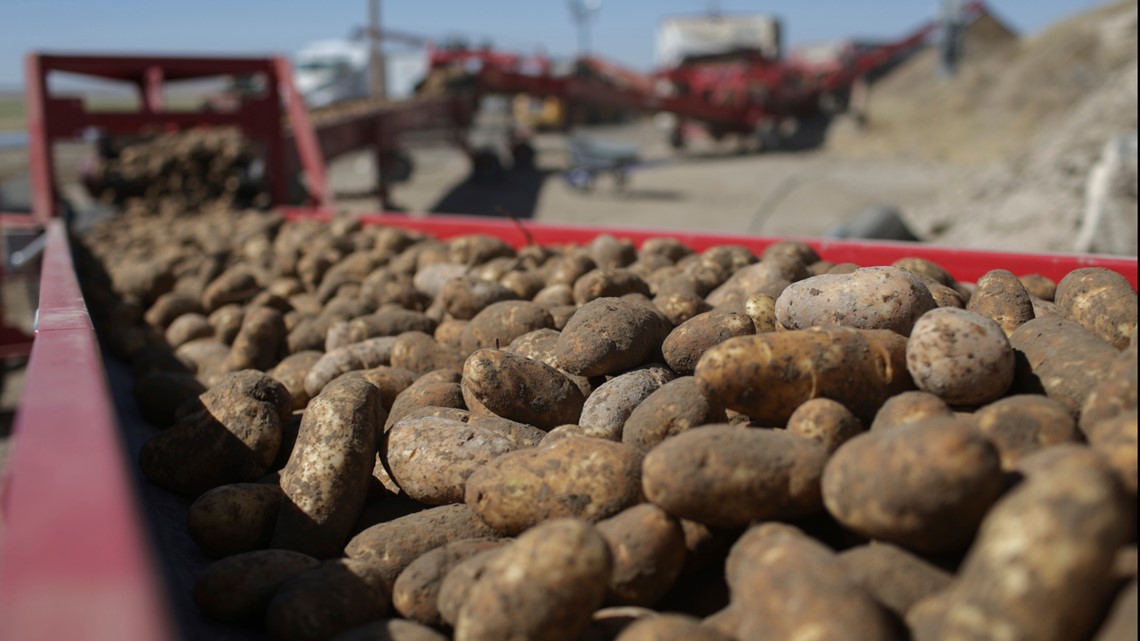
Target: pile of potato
191,170
389,436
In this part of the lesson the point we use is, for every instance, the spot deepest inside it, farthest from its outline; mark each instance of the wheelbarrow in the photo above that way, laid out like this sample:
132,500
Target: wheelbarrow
592,157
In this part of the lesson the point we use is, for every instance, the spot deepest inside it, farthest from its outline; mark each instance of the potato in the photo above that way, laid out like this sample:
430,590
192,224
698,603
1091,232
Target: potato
761,308
320,603
870,298
389,380
679,307
234,518
648,550
391,630
170,306
239,587
960,356
458,581
1022,424
907,408
420,353
389,547
291,373
542,587
826,422
525,284
927,268
1115,440
766,277
550,296
390,321
607,282
1043,583
1000,296
416,590
895,578
466,296
1121,624
227,321
1112,397
363,355
500,323
1102,301
785,585
953,475
1061,359
671,409
158,395
726,476
520,389
230,435
670,627
236,285
431,458
605,412
431,279
326,479
691,339
186,328
768,376
429,390
609,335
1039,286
585,478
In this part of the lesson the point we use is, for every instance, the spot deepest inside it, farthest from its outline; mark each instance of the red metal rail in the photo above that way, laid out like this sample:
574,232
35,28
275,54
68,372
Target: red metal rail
75,562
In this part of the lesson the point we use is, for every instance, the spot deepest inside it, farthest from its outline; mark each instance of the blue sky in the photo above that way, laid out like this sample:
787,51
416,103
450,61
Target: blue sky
623,29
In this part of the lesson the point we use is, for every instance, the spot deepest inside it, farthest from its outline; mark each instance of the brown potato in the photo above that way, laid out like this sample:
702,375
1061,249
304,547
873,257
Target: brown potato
391,630
585,478
726,476
440,388
785,585
171,305
1102,301
870,298
458,581
188,327
768,376
230,435
236,285
363,355
690,340
326,479
238,588
1039,286
158,395
907,408
669,410
999,295
1115,440
648,550
962,357
543,587
291,372
607,409
924,267
466,296
610,335
1043,583
520,389
1121,624
1062,359
430,458
670,627
234,518
416,591
765,277
608,282
896,578
826,422
1022,424
320,603
500,323
944,498
420,353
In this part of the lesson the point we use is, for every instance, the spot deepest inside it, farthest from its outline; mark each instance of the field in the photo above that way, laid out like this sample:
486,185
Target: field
11,112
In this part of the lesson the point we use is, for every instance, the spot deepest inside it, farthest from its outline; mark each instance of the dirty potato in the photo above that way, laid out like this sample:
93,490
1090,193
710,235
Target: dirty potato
238,588
1025,423
1102,301
648,550
610,335
690,340
607,409
869,298
234,518
673,408
416,591
999,295
960,356
520,389
825,421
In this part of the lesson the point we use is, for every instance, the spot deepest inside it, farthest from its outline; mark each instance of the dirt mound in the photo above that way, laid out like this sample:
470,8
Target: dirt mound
1024,127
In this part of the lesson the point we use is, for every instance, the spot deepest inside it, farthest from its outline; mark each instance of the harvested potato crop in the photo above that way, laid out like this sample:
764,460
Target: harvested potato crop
391,321
259,340
670,627
500,323
158,395
679,307
230,435
869,298
239,587
291,373
322,602
607,283
962,357
727,476
671,409
543,587
457,583
431,458
765,277
1001,296
391,630
171,305
606,410
896,578
420,353
440,388
610,335
648,550
416,591
236,285
768,376
690,340
1039,286
466,296
186,328
785,585
1025,423
909,407
927,268
520,389
825,421
1102,301
1062,359
326,479
363,355
1048,582
585,478
234,518
389,547
953,475
1115,440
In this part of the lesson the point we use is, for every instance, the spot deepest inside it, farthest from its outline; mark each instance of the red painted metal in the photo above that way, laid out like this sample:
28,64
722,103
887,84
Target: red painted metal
74,560
966,265
260,118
